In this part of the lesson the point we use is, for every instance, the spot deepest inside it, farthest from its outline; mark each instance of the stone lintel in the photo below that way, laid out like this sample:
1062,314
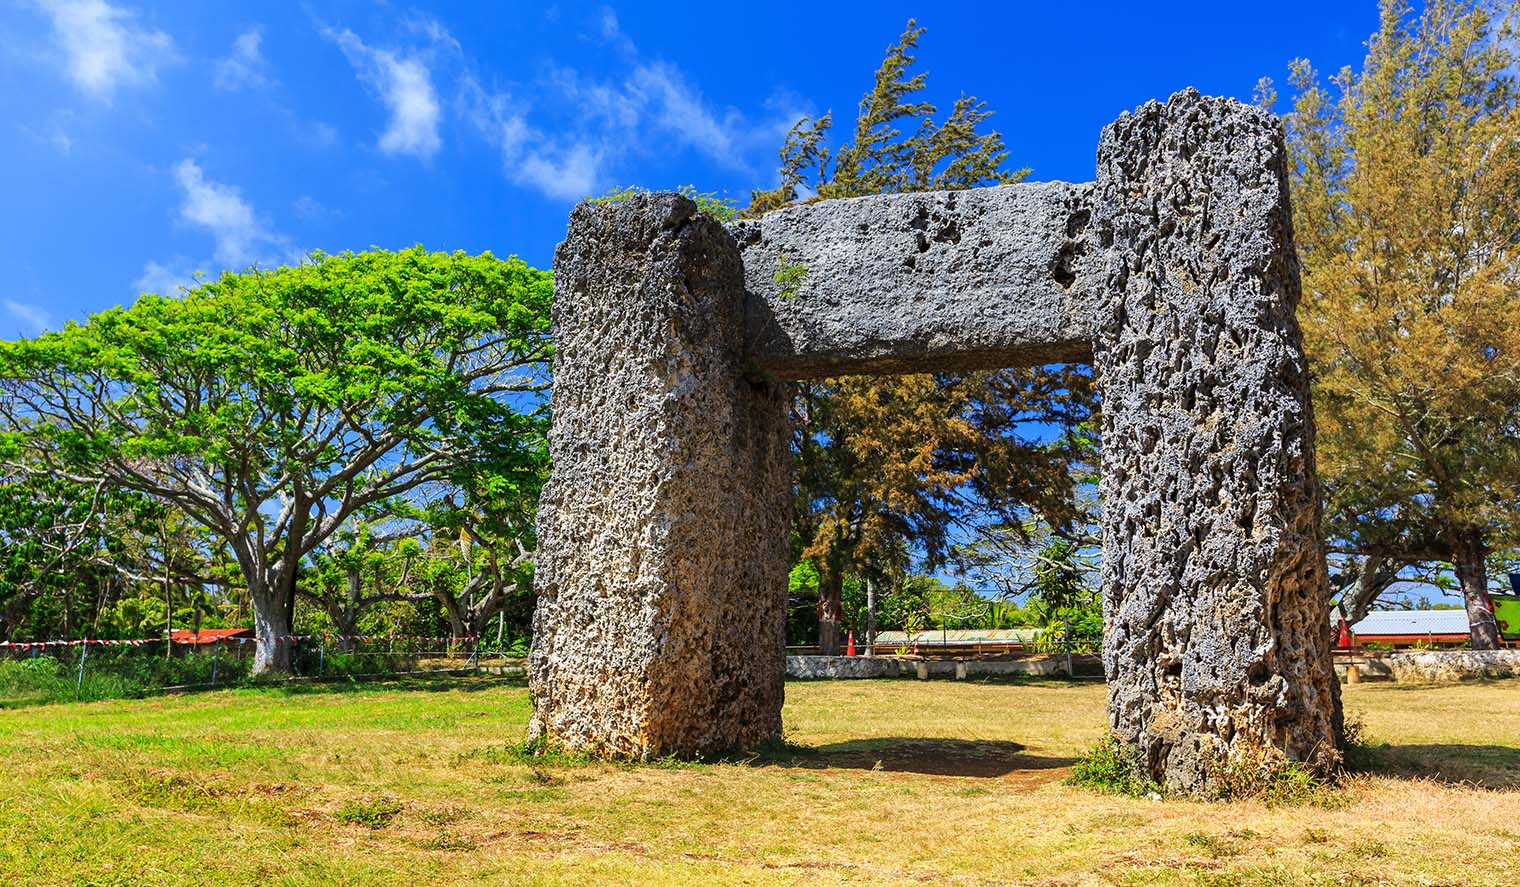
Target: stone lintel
922,282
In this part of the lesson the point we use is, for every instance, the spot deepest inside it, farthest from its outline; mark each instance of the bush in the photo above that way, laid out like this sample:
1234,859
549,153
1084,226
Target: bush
375,813
1113,768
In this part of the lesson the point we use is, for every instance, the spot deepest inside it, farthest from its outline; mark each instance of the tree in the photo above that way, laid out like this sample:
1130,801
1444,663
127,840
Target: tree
51,533
1408,227
887,466
273,407
368,561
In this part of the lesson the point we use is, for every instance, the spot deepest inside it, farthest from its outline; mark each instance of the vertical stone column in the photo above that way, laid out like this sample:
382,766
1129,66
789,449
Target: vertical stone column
1215,591
662,562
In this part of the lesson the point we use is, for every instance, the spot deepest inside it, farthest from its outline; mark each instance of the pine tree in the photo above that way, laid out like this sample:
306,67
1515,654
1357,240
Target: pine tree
888,467
1405,185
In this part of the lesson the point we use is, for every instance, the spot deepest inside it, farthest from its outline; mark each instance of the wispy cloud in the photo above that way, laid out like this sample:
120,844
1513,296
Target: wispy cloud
103,46
239,237
405,85
222,211
569,138
244,67
531,157
54,132
32,320
168,278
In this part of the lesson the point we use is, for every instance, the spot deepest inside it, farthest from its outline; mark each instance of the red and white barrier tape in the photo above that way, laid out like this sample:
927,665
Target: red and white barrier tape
279,639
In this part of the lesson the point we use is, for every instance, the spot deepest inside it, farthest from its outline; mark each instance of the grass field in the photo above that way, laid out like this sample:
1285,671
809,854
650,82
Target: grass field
903,783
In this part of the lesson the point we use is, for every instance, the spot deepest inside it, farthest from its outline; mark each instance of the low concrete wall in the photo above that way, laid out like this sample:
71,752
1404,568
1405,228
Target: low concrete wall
856,667
1454,665
1370,668
846,667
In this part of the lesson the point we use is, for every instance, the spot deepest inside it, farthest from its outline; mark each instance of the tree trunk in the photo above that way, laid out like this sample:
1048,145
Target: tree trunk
870,616
830,610
1467,552
272,612
1373,575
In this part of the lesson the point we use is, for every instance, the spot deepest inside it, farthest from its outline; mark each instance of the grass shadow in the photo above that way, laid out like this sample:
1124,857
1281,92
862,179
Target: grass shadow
1494,767
977,758
441,683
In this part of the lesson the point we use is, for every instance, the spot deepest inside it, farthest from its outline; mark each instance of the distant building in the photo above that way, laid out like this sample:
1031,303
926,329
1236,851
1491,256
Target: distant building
186,639
955,640
1412,628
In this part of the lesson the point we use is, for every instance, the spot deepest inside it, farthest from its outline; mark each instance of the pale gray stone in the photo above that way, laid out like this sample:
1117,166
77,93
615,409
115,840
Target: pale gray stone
912,283
662,533
1214,585
1440,666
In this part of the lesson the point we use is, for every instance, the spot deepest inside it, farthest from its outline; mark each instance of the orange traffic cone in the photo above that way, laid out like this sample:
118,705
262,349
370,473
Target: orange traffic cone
849,647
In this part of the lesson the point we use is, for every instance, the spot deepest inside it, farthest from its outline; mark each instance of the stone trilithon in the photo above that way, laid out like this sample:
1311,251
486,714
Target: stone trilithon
662,561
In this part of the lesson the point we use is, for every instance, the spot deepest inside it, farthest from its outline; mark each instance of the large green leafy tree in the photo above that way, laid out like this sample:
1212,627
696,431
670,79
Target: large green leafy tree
52,534
273,407
1406,193
889,466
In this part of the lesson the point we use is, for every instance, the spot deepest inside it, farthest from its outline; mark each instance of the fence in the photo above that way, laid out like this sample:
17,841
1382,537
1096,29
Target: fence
40,671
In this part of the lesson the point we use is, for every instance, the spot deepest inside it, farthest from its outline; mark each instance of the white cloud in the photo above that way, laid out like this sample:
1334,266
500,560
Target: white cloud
678,109
239,237
315,134
310,209
221,210
566,134
244,67
530,157
405,85
104,48
33,320
167,279
612,33
53,132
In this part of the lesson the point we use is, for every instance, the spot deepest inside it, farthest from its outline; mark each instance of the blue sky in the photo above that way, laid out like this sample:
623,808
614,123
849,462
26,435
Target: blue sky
147,140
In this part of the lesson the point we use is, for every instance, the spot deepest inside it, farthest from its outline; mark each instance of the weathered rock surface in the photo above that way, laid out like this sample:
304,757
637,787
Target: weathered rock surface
1214,580
662,534
912,283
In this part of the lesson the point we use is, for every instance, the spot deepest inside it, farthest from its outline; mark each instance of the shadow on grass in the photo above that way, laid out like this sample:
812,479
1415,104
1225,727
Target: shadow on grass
1495,767
441,683
1385,685
980,758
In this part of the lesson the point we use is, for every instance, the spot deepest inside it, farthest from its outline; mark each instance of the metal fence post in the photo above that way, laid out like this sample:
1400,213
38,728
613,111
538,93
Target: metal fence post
216,655
84,650
322,658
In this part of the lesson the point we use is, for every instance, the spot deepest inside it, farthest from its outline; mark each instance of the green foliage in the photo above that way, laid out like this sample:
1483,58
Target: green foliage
1113,768
112,673
1273,782
886,466
1404,176
709,203
373,813
276,407
789,276
897,145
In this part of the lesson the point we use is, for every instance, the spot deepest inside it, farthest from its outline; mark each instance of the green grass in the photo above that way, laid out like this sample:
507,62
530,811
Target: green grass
879,783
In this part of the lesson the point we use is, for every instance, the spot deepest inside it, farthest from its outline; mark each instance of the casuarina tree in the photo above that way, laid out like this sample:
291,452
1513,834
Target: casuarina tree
1405,184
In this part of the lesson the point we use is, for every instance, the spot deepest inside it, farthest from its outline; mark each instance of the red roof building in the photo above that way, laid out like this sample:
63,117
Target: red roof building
187,638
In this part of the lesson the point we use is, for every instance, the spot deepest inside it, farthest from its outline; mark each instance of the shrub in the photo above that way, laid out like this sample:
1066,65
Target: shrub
375,813
1113,768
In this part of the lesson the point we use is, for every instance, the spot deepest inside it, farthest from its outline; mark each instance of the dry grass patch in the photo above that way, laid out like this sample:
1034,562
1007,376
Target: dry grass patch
886,782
